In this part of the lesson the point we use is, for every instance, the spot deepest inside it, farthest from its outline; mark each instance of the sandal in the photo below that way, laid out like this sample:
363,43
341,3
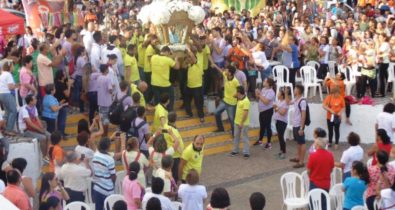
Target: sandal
299,165
294,160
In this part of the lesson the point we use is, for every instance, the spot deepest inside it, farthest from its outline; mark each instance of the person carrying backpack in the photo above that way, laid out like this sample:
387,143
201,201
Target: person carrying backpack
120,104
139,128
300,119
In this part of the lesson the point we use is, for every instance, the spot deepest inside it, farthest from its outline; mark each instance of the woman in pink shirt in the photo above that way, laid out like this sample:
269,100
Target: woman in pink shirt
26,78
132,190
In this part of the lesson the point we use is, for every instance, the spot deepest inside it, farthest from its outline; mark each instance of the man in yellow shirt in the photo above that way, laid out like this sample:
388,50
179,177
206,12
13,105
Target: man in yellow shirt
132,73
149,44
161,113
172,118
242,121
160,79
194,85
192,158
140,89
229,101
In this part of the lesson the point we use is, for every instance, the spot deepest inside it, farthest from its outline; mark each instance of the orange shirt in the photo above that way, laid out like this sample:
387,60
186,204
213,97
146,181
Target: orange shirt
334,103
57,154
236,55
330,84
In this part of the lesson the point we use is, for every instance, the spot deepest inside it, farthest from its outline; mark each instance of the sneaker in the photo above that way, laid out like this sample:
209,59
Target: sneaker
268,146
246,156
232,154
259,142
281,156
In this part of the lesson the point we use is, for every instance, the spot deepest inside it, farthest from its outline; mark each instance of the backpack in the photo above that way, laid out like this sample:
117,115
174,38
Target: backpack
308,120
116,110
134,130
127,117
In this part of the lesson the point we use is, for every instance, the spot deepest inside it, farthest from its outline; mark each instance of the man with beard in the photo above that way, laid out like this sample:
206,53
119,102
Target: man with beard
191,158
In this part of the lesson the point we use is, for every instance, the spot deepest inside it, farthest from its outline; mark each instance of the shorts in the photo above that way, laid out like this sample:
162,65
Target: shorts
298,138
103,111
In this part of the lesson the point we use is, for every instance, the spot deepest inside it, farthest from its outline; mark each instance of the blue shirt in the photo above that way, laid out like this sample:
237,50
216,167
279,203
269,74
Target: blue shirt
50,100
354,189
295,56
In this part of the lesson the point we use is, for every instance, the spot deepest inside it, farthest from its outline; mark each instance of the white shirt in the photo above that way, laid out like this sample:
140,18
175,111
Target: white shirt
23,114
386,121
95,56
75,176
117,52
260,59
114,80
192,196
353,153
325,48
160,173
5,80
164,201
86,151
387,199
88,41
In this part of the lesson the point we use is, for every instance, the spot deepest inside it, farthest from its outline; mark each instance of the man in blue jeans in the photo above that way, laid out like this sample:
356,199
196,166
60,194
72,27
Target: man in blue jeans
229,101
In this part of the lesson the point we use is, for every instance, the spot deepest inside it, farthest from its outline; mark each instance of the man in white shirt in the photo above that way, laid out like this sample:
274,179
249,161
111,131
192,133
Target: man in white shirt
96,51
353,153
386,120
157,189
75,176
192,195
165,174
111,49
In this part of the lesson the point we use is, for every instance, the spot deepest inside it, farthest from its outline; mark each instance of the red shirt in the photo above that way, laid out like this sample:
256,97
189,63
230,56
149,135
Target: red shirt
320,165
385,147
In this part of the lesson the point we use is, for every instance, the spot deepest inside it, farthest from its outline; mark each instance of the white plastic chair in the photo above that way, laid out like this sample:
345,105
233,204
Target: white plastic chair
315,198
350,80
309,75
336,176
281,76
289,186
337,196
313,64
110,201
88,194
76,205
176,205
306,182
259,80
118,182
359,208
289,131
332,68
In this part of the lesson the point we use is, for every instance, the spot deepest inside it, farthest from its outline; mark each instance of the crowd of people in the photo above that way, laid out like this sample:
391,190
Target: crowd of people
116,67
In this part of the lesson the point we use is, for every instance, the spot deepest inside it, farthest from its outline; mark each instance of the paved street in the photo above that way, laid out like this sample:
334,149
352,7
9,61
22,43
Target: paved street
261,172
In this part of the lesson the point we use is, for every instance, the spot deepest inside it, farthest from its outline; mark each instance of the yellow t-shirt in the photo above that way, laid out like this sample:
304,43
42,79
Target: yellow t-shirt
136,39
230,87
130,61
140,55
206,53
195,76
160,112
170,141
199,58
149,52
242,105
134,89
193,160
160,66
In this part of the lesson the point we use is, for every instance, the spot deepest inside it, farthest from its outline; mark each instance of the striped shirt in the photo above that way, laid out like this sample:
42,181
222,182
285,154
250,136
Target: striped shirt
103,167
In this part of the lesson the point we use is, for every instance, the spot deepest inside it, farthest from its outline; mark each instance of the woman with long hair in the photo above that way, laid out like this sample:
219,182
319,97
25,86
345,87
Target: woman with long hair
381,176
266,98
50,186
132,154
383,143
355,186
132,190
62,94
334,105
281,116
